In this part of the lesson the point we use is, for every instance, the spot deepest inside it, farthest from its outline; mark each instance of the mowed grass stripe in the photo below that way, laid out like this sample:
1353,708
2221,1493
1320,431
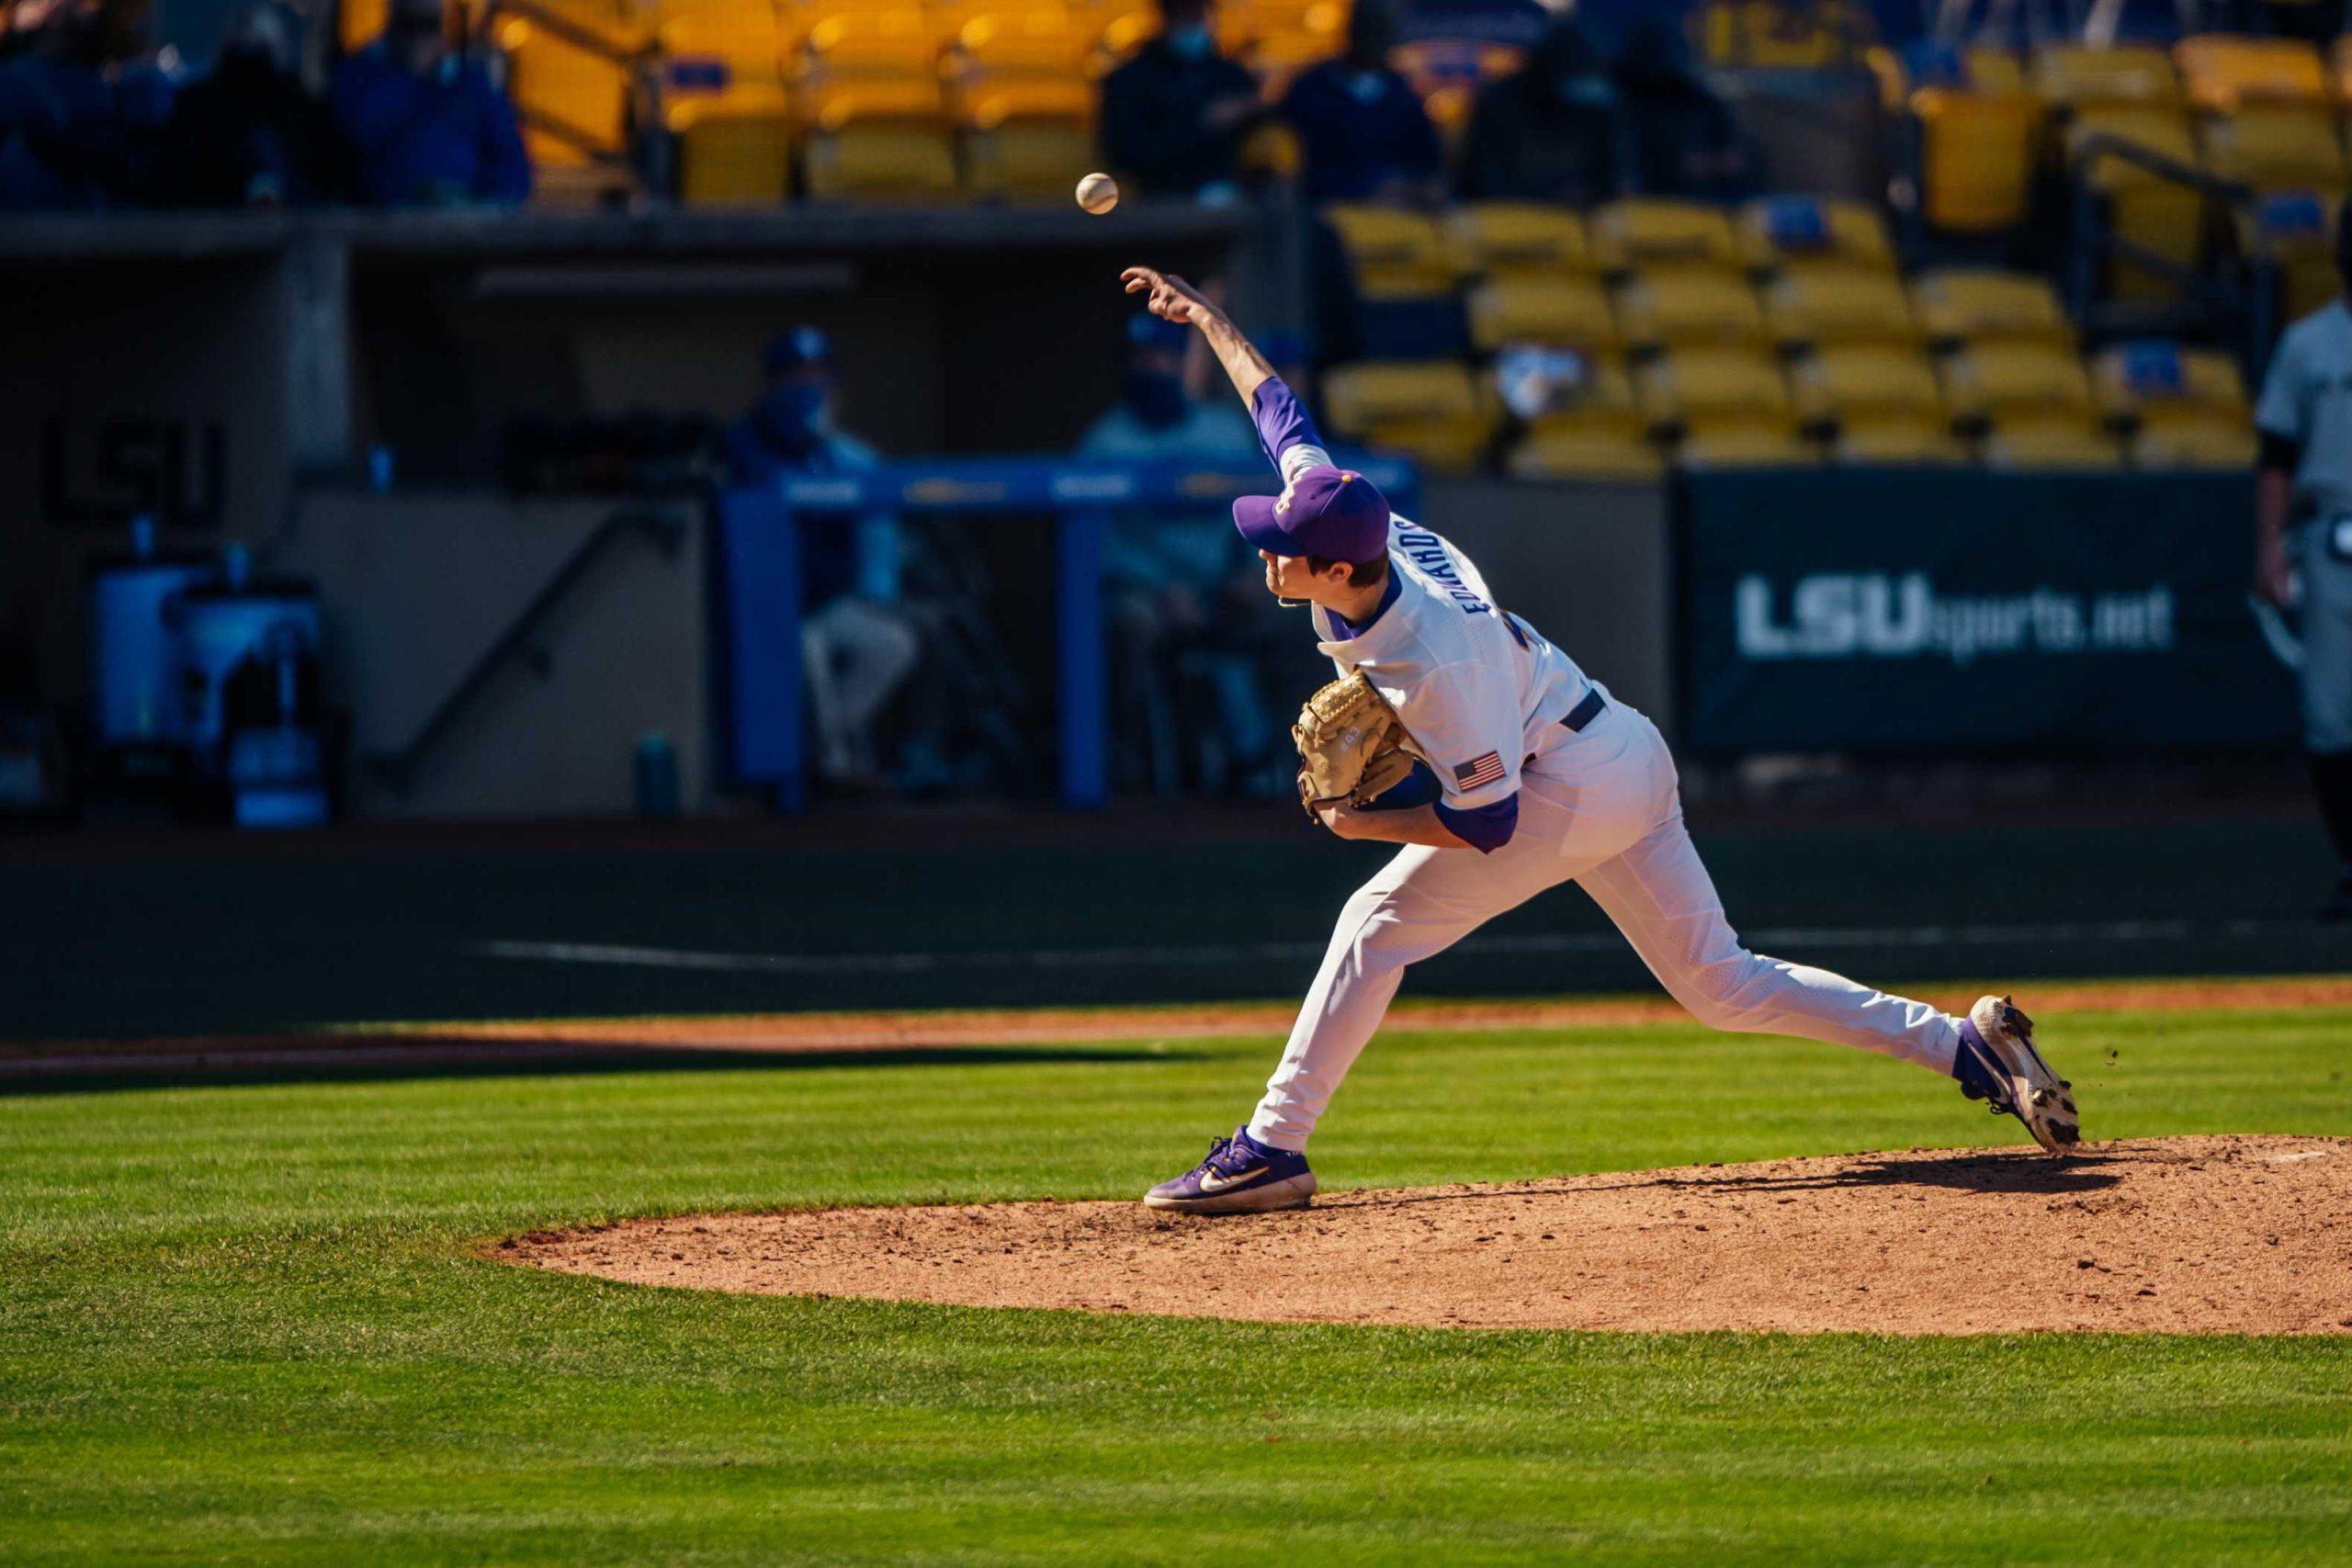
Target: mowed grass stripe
245,1322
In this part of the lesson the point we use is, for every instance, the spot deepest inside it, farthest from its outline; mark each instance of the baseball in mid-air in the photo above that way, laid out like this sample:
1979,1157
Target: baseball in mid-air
1098,194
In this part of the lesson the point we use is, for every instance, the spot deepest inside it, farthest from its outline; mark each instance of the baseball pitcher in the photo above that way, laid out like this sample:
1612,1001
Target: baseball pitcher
1530,774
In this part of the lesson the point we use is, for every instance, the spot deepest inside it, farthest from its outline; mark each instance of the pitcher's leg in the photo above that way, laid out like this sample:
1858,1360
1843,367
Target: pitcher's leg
1660,896
1422,902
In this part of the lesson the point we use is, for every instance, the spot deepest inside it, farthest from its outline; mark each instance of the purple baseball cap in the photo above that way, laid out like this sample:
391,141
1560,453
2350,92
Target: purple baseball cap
1336,514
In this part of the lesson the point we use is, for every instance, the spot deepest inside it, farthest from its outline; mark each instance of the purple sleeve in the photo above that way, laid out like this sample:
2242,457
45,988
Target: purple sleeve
1485,829
1283,421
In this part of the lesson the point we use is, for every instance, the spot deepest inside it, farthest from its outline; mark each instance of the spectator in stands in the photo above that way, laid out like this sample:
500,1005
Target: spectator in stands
859,642
1185,594
1685,140
1551,131
426,125
250,134
1362,133
83,106
1174,116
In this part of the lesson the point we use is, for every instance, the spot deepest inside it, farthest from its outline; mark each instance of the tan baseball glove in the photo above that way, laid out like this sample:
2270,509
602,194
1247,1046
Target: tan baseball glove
1349,745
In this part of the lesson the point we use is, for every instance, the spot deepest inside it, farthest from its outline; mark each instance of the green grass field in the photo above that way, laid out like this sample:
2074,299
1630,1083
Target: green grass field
246,1322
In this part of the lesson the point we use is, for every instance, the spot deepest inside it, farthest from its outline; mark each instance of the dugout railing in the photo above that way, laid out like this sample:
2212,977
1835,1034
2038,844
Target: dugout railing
758,558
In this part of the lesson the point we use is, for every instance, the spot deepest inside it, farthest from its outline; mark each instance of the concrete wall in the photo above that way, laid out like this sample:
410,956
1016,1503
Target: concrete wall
1588,565
414,588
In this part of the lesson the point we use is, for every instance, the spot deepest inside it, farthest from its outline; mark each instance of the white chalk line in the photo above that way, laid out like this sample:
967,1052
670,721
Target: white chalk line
1198,955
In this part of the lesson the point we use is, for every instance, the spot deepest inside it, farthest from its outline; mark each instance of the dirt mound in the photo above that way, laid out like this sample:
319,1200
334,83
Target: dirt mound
2235,1234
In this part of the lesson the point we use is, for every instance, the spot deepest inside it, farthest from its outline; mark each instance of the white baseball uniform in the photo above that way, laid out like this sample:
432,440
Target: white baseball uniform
1484,698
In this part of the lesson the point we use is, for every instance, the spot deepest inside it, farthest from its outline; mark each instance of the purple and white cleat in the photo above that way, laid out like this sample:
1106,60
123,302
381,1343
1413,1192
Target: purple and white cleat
1239,1177
1998,1063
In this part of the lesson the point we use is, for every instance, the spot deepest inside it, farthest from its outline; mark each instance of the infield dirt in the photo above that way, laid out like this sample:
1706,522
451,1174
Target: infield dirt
2201,1234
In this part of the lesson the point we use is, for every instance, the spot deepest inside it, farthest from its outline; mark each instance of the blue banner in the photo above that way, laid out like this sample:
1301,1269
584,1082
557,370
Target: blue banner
1858,611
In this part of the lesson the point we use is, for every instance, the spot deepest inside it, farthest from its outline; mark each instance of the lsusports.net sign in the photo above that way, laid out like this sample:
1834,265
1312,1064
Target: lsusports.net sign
1847,611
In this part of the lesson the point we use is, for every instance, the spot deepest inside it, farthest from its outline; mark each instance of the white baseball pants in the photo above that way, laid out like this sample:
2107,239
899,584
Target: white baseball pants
1601,808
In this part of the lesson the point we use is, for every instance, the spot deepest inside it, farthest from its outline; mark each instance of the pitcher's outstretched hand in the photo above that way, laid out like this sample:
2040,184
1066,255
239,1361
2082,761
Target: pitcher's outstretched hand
1170,296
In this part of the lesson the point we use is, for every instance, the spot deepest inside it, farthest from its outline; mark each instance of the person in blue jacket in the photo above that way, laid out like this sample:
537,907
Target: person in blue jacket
861,639
1362,133
427,127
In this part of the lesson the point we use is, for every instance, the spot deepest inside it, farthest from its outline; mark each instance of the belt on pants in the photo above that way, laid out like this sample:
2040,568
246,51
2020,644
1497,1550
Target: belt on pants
1576,718
1585,712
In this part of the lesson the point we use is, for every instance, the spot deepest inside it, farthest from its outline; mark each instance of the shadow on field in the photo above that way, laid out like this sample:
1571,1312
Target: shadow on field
1988,1173
423,1058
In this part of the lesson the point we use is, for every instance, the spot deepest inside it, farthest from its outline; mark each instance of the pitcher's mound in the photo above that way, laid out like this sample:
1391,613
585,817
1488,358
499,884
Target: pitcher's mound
2236,1235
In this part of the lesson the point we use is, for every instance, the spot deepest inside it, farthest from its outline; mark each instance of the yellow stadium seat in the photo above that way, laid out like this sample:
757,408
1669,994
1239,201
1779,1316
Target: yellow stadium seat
1977,158
1396,254
1646,231
1697,386
876,138
1746,444
2276,147
1593,431
1495,238
1856,383
1042,40
2002,381
1601,390
2194,444
2221,72
2160,382
2296,231
1027,137
1783,232
1956,304
730,155
1598,450
883,39
746,38
1567,312
1432,410
1824,304
1873,442
2072,77
2051,443
1674,306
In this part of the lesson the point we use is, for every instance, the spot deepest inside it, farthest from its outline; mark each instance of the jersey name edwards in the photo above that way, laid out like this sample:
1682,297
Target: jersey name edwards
1428,551
1876,615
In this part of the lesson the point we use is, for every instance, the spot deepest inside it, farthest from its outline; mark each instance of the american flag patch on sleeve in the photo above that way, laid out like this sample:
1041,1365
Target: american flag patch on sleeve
1479,771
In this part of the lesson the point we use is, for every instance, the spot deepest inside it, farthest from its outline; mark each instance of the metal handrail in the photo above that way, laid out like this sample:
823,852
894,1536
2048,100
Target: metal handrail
398,769
2094,241
632,60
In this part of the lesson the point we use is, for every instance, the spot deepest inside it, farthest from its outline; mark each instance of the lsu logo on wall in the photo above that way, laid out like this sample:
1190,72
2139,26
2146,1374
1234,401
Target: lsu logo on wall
1878,615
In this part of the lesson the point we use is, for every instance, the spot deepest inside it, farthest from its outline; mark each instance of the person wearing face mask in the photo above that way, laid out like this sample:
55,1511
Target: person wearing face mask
1179,596
1362,133
1174,115
426,125
859,642
1553,130
248,133
1686,141
83,106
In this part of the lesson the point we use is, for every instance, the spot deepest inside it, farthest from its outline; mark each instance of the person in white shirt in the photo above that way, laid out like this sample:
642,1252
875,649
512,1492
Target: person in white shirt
1531,776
